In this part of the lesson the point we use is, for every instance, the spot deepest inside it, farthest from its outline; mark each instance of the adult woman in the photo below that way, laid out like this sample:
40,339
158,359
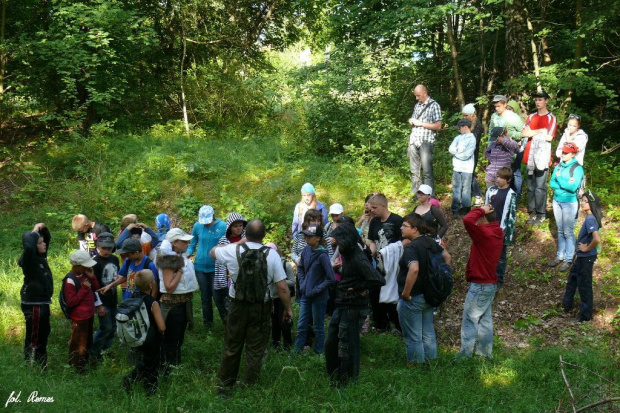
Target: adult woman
469,112
432,216
36,293
565,182
414,313
308,201
177,283
573,133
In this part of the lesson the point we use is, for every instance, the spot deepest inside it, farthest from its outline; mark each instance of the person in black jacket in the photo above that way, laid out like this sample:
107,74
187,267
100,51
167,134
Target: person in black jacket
36,293
342,345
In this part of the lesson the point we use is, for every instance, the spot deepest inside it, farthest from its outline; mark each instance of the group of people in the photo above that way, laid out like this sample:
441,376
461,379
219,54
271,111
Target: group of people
375,269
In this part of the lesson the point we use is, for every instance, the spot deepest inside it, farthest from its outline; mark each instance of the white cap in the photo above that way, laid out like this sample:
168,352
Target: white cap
425,189
336,209
468,109
82,258
176,234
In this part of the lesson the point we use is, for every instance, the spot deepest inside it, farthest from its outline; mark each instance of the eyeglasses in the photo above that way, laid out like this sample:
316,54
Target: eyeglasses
572,116
406,226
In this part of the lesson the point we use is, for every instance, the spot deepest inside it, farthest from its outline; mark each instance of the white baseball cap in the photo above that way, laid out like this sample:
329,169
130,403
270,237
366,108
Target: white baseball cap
336,209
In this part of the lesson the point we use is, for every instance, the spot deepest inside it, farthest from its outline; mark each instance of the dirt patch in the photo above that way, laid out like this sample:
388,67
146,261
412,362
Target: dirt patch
528,307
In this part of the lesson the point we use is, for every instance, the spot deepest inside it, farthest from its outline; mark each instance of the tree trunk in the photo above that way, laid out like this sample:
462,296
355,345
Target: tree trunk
487,113
534,50
543,40
455,62
183,105
3,55
516,54
579,44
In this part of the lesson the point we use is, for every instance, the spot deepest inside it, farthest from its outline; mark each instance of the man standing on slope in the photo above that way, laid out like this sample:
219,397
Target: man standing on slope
425,122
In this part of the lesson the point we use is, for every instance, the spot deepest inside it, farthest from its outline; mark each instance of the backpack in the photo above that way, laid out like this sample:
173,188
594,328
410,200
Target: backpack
582,186
251,283
66,310
438,282
132,320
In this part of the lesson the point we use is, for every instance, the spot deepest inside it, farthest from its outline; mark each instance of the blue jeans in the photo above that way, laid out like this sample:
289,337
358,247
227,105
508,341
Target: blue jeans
517,177
104,337
207,293
416,320
317,307
461,191
565,213
477,325
421,157
500,270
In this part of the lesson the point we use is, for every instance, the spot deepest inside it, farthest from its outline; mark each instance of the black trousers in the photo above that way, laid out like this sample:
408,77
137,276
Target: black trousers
37,332
342,344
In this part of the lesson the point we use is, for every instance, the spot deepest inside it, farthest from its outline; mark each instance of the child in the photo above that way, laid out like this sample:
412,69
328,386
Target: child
308,201
504,202
499,153
163,224
36,293
106,271
78,287
235,226
315,274
462,150
580,276
148,366
135,261
335,212
131,228
280,328
312,217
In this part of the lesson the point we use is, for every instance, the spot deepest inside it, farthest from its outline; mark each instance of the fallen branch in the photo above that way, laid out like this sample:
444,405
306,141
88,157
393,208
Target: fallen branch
610,150
567,384
605,401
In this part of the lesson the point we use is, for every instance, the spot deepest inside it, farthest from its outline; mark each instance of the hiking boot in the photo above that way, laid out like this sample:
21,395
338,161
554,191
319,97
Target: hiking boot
531,220
539,219
554,263
565,266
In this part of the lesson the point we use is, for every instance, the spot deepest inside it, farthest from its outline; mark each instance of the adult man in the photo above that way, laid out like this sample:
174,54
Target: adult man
487,243
248,322
540,129
425,121
384,229
207,233
87,232
513,124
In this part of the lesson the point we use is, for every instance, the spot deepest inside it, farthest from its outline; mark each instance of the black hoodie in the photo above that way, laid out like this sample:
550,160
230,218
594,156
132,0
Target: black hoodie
38,285
358,274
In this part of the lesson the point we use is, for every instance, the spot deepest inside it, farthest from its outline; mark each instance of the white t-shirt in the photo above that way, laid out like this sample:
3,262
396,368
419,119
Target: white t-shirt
275,272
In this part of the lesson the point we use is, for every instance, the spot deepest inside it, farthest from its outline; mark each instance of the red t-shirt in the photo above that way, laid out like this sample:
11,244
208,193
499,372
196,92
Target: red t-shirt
536,121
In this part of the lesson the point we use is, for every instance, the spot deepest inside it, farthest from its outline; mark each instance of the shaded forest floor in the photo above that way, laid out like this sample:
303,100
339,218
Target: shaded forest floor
527,311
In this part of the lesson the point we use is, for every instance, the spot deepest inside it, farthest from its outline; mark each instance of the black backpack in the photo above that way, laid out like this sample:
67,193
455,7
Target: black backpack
438,282
251,283
66,310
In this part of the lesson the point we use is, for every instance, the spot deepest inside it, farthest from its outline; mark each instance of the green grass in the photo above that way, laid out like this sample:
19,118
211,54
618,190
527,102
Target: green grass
259,175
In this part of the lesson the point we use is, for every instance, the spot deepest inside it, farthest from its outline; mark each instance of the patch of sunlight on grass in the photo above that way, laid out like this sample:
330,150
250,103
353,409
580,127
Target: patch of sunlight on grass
498,376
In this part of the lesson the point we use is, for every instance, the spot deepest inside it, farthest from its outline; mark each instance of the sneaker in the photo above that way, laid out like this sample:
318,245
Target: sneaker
565,266
539,219
478,201
554,263
531,220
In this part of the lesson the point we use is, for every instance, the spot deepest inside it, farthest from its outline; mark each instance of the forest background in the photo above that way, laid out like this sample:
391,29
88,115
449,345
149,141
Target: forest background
109,107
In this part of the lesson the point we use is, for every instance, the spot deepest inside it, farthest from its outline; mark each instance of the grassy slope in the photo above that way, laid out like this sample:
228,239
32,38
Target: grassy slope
108,176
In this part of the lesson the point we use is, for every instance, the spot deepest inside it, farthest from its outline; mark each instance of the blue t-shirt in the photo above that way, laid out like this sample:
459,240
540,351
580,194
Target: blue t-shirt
585,235
129,270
